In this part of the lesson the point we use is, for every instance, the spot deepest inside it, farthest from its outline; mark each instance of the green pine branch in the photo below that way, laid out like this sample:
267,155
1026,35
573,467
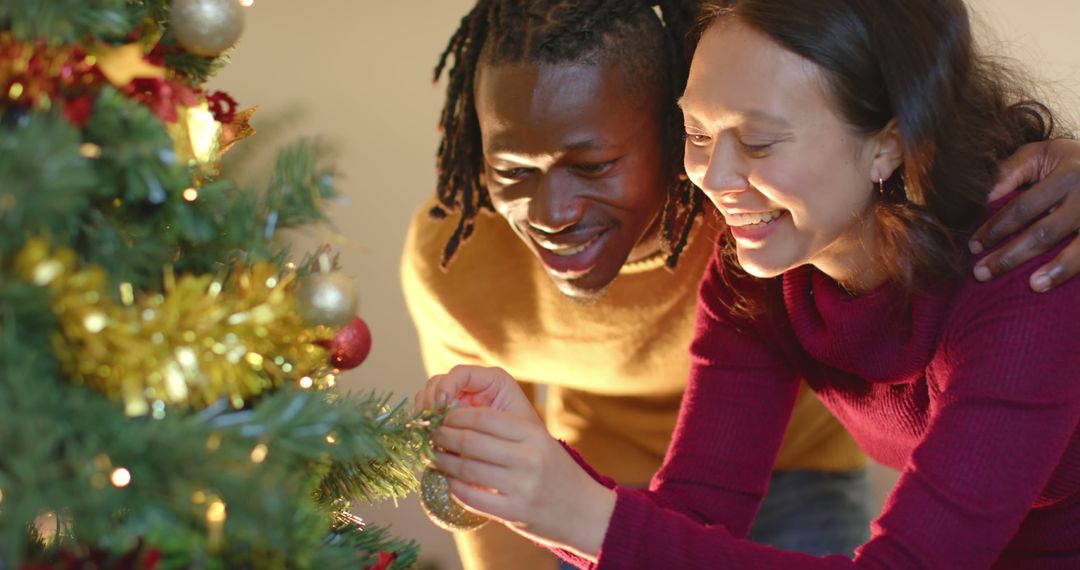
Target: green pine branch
41,195
68,21
195,69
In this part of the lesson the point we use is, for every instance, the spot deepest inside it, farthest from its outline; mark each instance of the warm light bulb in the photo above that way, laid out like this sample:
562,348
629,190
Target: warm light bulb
215,512
89,150
120,477
258,453
306,382
191,194
215,521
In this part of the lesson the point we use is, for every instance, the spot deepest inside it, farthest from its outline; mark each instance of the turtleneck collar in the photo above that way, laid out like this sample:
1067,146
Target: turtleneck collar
883,336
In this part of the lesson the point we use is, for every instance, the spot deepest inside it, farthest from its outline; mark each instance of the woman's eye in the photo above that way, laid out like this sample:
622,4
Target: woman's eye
756,148
593,168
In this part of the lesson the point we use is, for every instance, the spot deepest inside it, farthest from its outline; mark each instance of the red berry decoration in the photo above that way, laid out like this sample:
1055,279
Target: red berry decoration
385,560
351,345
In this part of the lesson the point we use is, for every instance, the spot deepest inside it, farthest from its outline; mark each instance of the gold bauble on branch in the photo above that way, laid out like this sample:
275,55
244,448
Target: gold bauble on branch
441,507
327,299
207,27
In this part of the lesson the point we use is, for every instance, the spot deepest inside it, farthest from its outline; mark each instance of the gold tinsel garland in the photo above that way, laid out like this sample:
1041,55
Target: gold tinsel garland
199,341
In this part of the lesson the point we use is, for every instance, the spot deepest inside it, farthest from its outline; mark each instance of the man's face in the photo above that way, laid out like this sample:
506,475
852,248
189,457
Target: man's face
574,161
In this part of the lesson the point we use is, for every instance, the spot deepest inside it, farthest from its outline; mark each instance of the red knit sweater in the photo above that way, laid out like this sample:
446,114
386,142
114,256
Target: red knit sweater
973,393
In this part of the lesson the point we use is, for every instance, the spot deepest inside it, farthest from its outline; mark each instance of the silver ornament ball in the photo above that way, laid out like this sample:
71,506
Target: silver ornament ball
441,507
207,27
326,299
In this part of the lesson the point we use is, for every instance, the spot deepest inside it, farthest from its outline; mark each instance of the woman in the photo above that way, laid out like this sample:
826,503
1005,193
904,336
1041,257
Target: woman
850,147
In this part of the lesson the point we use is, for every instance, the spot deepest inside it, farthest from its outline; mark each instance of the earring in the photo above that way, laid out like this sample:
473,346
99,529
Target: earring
881,187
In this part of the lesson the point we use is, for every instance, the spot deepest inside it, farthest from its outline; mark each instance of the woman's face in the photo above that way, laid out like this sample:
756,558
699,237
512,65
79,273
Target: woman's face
765,144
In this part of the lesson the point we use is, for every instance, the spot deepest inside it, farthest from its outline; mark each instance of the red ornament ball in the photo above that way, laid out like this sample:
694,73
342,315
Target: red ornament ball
351,345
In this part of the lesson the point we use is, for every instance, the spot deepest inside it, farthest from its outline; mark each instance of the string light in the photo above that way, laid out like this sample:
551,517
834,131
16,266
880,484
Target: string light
215,512
215,521
258,453
191,194
89,150
120,477
127,294
306,382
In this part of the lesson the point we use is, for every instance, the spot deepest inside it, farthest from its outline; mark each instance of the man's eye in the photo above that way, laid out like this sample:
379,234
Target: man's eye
698,139
512,173
593,168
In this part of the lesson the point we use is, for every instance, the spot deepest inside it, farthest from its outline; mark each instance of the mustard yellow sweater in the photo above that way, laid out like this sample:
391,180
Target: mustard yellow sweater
615,369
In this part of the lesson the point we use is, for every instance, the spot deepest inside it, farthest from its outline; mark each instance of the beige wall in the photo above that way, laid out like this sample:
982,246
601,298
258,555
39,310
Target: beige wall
1041,36
358,73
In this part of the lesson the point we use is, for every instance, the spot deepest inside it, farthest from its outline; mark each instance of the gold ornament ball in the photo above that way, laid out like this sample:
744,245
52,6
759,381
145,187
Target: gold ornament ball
326,299
441,508
207,27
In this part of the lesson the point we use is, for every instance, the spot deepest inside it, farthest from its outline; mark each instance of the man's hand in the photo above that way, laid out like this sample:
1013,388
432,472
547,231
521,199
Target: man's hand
1049,210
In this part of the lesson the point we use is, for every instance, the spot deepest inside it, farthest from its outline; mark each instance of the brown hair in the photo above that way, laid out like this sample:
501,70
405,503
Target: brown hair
959,112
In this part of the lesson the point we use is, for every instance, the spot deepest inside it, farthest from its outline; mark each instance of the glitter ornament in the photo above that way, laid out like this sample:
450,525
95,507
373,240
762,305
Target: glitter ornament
441,508
207,27
327,299
351,345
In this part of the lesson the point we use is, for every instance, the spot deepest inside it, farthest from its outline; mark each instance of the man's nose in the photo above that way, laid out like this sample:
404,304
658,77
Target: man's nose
555,204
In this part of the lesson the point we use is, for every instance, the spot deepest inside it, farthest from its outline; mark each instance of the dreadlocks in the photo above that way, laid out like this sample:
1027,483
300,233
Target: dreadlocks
648,45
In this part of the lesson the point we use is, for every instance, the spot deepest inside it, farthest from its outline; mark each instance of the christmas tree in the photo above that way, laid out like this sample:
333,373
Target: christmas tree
166,365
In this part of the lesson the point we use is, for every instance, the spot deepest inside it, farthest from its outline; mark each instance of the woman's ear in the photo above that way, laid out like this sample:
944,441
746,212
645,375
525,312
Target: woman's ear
888,152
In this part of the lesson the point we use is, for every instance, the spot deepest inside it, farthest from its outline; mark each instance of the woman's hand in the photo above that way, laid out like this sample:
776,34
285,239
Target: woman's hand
474,386
501,462
1054,167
